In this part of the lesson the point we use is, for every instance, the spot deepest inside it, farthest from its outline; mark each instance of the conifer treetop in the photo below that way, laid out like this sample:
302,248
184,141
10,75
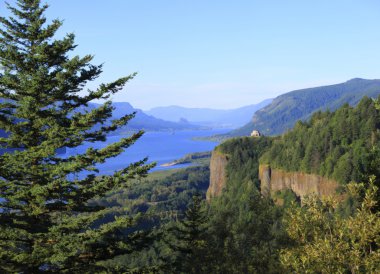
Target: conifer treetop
46,221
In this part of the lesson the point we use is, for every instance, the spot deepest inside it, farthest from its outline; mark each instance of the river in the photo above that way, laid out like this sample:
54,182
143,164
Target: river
159,147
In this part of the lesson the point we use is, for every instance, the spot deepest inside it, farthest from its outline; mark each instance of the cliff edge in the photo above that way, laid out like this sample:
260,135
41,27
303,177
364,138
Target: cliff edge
300,183
218,178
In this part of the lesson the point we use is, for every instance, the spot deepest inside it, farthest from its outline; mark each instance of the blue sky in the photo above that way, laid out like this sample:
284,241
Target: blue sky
223,54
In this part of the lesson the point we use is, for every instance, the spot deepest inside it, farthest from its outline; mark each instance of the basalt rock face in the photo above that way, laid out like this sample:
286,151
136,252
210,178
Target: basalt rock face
271,180
218,178
300,183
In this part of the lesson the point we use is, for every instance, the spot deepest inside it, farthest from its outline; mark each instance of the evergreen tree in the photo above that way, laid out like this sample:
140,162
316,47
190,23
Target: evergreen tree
245,231
187,240
340,145
46,222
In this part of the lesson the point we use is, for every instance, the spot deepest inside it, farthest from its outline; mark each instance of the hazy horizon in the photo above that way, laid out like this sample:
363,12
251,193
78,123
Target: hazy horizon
222,54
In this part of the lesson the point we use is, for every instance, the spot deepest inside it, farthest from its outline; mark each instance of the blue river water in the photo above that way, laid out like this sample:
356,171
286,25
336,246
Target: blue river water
159,147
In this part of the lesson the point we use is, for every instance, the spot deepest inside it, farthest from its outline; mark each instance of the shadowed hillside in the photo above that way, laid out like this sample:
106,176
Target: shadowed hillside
290,107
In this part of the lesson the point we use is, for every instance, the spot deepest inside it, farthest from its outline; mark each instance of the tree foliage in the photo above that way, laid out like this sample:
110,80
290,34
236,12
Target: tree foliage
46,223
188,241
245,231
243,158
163,198
324,242
285,110
343,145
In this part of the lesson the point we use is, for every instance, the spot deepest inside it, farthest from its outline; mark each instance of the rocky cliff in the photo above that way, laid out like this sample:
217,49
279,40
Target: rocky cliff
271,180
218,165
301,184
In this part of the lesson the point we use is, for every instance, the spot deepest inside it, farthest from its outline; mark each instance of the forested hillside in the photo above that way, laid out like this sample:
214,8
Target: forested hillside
327,235
243,158
131,221
342,145
245,228
288,108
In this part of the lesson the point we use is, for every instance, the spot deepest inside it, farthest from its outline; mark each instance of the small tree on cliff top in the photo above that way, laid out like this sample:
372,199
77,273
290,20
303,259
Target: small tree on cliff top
46,223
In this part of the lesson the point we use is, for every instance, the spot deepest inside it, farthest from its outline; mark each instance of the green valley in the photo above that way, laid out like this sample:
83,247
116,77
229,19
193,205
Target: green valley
83,188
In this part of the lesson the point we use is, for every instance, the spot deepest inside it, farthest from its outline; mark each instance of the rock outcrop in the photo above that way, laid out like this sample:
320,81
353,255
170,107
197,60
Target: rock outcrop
300,183
218,178
271,180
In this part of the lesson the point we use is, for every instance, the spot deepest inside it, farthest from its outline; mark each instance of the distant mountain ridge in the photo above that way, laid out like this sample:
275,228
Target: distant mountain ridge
145,121
232,118
141,121
286,109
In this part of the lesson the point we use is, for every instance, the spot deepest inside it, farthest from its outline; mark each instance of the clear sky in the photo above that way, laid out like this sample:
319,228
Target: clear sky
223,53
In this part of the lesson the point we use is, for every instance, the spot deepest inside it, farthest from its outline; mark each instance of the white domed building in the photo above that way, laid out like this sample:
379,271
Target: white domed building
255,133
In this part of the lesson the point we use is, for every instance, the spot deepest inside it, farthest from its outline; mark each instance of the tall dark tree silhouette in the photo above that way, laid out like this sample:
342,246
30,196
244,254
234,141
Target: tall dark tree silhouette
187,240
46,222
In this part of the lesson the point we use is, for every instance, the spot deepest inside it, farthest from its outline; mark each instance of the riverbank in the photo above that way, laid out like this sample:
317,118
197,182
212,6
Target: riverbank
192,158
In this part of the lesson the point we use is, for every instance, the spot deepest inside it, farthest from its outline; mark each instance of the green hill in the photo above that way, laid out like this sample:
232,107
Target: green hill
287,109
342,145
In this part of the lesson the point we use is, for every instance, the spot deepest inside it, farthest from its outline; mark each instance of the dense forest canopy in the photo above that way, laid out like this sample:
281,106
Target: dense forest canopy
325,234
343,145
53,221
243,158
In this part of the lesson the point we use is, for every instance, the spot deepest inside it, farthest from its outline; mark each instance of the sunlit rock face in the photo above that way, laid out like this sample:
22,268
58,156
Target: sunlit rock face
271,180
218,165
300,183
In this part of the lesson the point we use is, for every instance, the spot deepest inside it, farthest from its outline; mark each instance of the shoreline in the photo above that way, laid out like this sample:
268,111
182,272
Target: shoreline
169,164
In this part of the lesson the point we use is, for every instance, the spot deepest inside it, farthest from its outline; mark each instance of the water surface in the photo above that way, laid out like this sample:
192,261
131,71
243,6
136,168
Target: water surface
159,147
